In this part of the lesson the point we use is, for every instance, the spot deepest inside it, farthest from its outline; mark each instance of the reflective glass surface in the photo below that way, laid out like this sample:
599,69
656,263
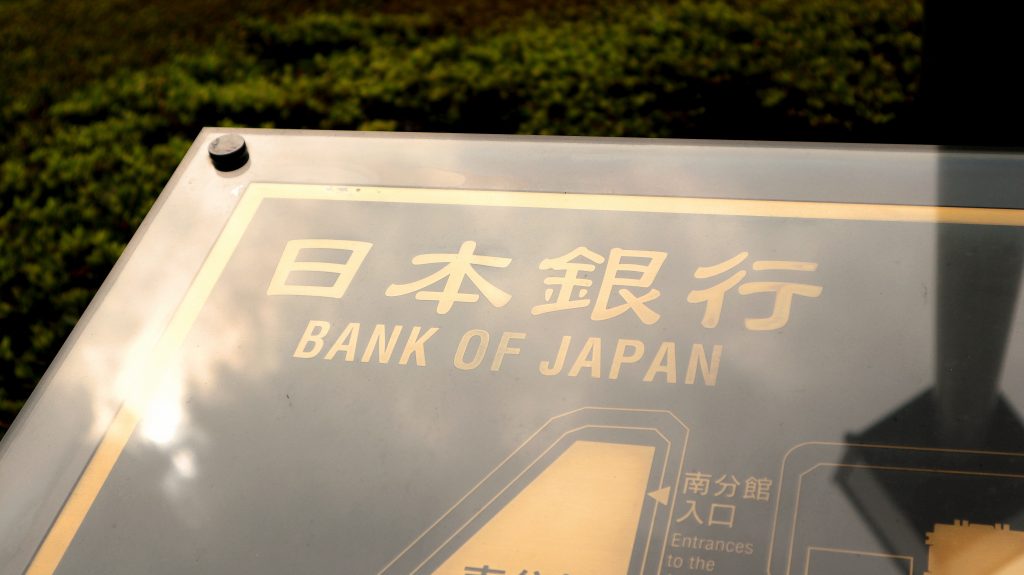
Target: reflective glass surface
391,354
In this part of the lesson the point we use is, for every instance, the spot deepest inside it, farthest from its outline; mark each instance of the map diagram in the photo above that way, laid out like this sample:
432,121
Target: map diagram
592,492
913,503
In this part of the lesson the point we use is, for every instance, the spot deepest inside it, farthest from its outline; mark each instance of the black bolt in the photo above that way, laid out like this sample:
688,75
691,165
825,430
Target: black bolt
229,153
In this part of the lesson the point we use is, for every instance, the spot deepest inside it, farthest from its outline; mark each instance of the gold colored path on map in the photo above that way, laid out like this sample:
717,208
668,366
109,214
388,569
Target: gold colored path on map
974,549
580,515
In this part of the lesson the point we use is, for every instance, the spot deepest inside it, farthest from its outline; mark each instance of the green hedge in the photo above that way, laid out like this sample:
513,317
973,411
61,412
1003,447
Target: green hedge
76,182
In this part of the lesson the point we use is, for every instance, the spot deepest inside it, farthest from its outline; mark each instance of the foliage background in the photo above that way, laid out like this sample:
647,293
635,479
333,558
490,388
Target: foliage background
100,99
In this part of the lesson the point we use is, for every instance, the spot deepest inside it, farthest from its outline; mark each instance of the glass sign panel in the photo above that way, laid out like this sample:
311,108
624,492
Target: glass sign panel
397,381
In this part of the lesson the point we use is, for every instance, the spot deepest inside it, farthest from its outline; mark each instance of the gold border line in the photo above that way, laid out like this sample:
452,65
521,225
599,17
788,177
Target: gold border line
71,516
88,486
656,204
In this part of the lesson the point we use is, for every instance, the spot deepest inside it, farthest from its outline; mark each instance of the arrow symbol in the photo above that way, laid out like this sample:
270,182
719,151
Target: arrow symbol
661,495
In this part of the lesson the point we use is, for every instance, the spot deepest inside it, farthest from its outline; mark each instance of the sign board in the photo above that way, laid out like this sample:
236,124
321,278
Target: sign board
406,355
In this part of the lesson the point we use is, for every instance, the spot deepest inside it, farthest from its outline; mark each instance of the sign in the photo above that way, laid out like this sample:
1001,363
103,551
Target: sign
395,380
